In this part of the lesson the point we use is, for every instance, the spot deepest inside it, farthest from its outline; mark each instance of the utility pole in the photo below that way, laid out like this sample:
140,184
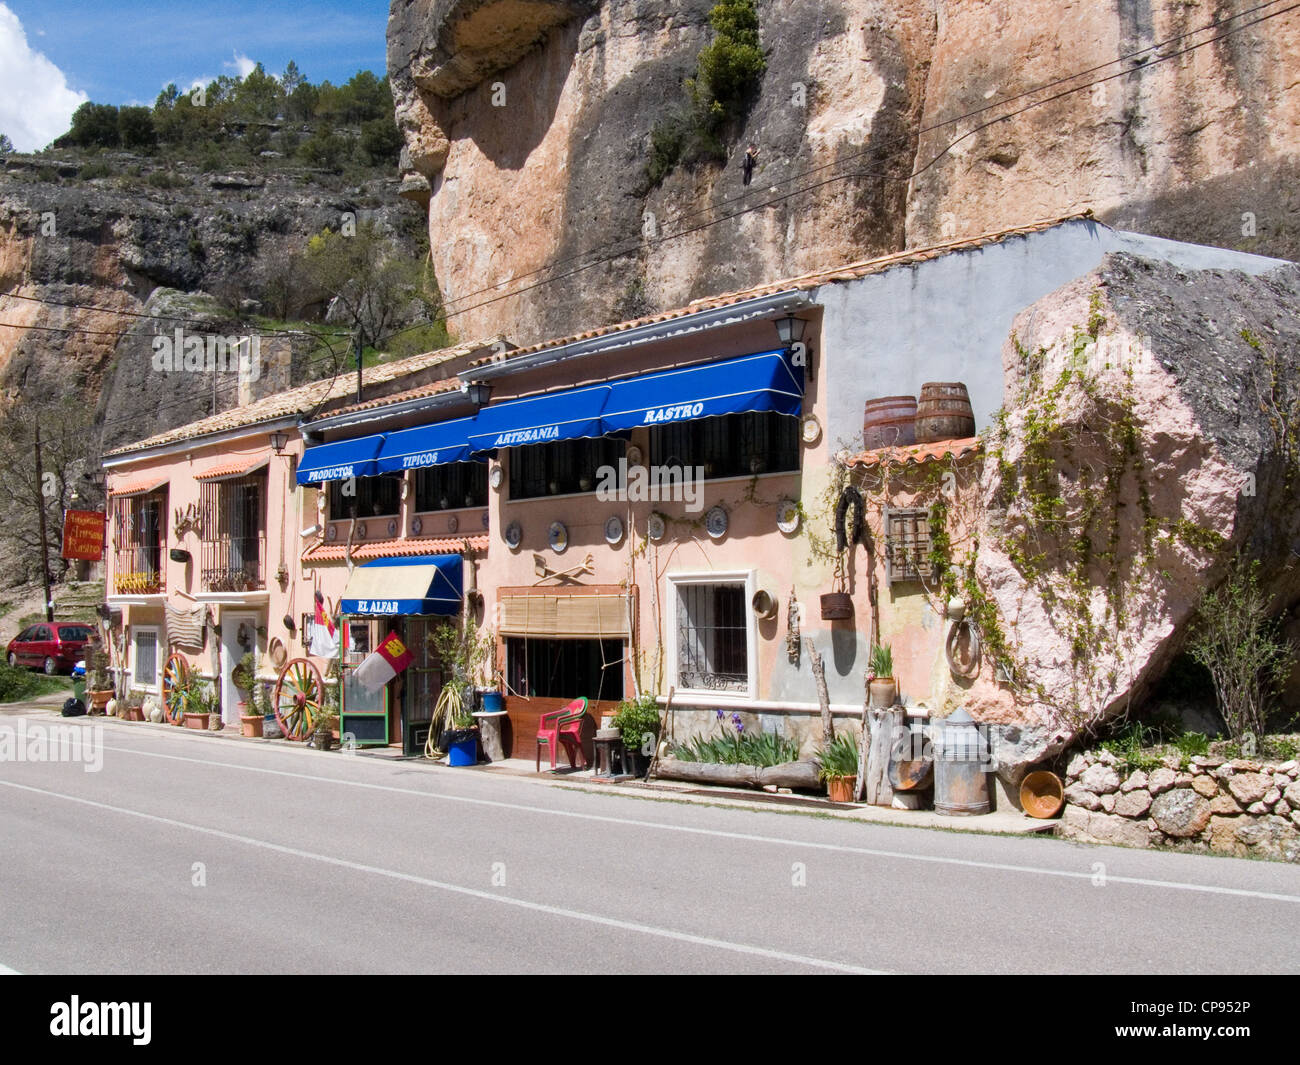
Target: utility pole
40,505
356,340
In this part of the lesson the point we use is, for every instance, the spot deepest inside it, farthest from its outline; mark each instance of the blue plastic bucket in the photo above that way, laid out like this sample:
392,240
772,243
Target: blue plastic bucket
464,753
493,703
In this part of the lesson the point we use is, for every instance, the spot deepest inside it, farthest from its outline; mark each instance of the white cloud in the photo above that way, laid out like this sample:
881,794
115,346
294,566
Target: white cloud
241,64
36,104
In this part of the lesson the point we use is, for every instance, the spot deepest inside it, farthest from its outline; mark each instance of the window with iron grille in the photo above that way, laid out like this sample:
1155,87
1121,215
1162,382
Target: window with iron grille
451,486
737,445
145,671
140,530
712,637
561,468
375,497
907,544
233,534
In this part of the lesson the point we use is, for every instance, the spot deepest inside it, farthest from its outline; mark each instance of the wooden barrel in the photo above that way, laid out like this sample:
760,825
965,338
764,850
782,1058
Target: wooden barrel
944,412
889,422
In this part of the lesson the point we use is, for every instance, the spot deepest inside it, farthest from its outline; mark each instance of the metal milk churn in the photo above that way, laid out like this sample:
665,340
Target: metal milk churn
961,762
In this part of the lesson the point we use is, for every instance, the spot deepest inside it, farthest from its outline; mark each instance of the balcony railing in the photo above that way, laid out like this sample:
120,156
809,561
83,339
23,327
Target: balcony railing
138,571
237,564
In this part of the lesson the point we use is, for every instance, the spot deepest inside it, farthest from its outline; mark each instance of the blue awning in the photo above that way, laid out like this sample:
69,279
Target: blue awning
426,445
420,584
540,419
767,381
340,461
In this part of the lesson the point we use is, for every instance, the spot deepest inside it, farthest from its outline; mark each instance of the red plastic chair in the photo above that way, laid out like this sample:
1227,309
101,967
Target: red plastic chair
562,728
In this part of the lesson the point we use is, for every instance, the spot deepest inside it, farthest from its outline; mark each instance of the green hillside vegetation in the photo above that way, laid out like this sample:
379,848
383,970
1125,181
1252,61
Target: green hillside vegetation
233,122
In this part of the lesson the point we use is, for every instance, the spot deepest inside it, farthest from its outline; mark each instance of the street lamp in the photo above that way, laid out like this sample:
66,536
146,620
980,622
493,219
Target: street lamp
278,441
479,393
790,330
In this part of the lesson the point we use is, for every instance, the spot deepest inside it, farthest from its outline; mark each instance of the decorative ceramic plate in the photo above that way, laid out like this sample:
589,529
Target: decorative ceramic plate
392,526
613,530
514,535
277,652
361,529
654,526
812,430
453,523
633,456
332,532
715,522
417,525
496,476
787,516
557,536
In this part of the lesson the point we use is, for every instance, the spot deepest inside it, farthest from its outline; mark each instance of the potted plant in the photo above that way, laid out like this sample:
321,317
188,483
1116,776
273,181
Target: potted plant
196,703
327,721
134,707
464,655
243,675
99,689
638,720
837,765
252,715
881,684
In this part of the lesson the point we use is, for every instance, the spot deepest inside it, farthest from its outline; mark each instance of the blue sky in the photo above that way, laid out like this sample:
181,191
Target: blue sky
124,51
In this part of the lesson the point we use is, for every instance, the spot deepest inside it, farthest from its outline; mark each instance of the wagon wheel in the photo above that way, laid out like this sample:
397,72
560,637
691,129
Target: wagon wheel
299,696
176,674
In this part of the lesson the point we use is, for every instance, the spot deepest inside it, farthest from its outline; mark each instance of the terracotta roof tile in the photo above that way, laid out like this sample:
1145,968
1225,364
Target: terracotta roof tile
138,488
449,545
432,389
305,398
233,469
917,453
848,272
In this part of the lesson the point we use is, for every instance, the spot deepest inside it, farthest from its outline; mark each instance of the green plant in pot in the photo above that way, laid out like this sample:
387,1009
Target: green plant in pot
881,683
837,765
327,720
638,720
252,715
197,700
98,688
465,655
244,676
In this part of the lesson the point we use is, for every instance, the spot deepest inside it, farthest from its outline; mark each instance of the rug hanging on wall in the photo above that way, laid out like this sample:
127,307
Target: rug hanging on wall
185,626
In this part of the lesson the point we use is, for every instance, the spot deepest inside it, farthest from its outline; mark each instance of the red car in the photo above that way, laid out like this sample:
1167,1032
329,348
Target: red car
55,646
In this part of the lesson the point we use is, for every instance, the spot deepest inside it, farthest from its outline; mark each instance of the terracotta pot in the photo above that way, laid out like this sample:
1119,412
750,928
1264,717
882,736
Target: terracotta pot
884,692
1042,794
199,722
134,713
841,789
251,724
837,606
99,700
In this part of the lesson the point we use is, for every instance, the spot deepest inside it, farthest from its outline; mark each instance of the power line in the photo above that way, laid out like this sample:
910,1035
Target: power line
667,237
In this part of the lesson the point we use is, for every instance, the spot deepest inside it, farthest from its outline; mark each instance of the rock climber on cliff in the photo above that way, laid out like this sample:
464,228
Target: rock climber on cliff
750,161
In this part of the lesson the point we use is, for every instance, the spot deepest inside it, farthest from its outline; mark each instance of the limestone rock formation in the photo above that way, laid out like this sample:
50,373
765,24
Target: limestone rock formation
1150,433
528,127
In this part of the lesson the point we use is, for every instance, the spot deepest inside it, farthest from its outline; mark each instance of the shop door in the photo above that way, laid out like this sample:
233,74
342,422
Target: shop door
423,683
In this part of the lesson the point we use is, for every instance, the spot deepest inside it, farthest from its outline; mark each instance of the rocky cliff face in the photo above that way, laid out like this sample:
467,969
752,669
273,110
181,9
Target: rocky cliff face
191,246
528,129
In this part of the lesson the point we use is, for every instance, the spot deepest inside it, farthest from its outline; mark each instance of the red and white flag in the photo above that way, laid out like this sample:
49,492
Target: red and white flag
378,669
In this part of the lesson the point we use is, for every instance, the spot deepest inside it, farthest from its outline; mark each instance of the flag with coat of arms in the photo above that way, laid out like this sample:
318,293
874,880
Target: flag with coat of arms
390,659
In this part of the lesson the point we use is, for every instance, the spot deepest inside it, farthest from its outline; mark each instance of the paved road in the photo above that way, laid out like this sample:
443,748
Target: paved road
190,853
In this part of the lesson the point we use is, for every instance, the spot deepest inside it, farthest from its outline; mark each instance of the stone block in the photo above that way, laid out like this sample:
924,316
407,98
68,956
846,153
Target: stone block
1181,813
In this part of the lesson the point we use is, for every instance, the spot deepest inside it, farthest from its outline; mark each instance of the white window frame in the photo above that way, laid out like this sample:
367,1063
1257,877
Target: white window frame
747,578
159,658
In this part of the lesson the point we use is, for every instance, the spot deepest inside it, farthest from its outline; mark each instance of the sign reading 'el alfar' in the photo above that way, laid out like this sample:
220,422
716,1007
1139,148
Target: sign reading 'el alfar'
83,534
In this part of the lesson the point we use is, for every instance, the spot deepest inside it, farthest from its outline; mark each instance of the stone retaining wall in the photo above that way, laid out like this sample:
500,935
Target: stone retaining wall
1238,807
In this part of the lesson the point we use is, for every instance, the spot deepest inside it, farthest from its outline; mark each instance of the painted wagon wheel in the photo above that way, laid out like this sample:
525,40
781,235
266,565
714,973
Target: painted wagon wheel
176,674
299,696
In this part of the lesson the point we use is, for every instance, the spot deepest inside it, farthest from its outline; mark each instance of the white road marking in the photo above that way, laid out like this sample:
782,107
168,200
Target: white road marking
1172,885
555,911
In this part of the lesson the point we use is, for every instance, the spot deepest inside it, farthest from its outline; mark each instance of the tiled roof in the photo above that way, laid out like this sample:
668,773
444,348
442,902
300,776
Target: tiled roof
848,272
451,545
305,398
916,454
138,488
433,388
232,469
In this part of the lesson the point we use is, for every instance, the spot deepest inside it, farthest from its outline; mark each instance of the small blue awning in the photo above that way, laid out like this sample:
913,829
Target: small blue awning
426,445
540,419
340,461
420,584
767,381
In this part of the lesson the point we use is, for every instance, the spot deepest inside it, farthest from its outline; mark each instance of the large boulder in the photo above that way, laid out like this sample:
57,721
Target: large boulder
1145,441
